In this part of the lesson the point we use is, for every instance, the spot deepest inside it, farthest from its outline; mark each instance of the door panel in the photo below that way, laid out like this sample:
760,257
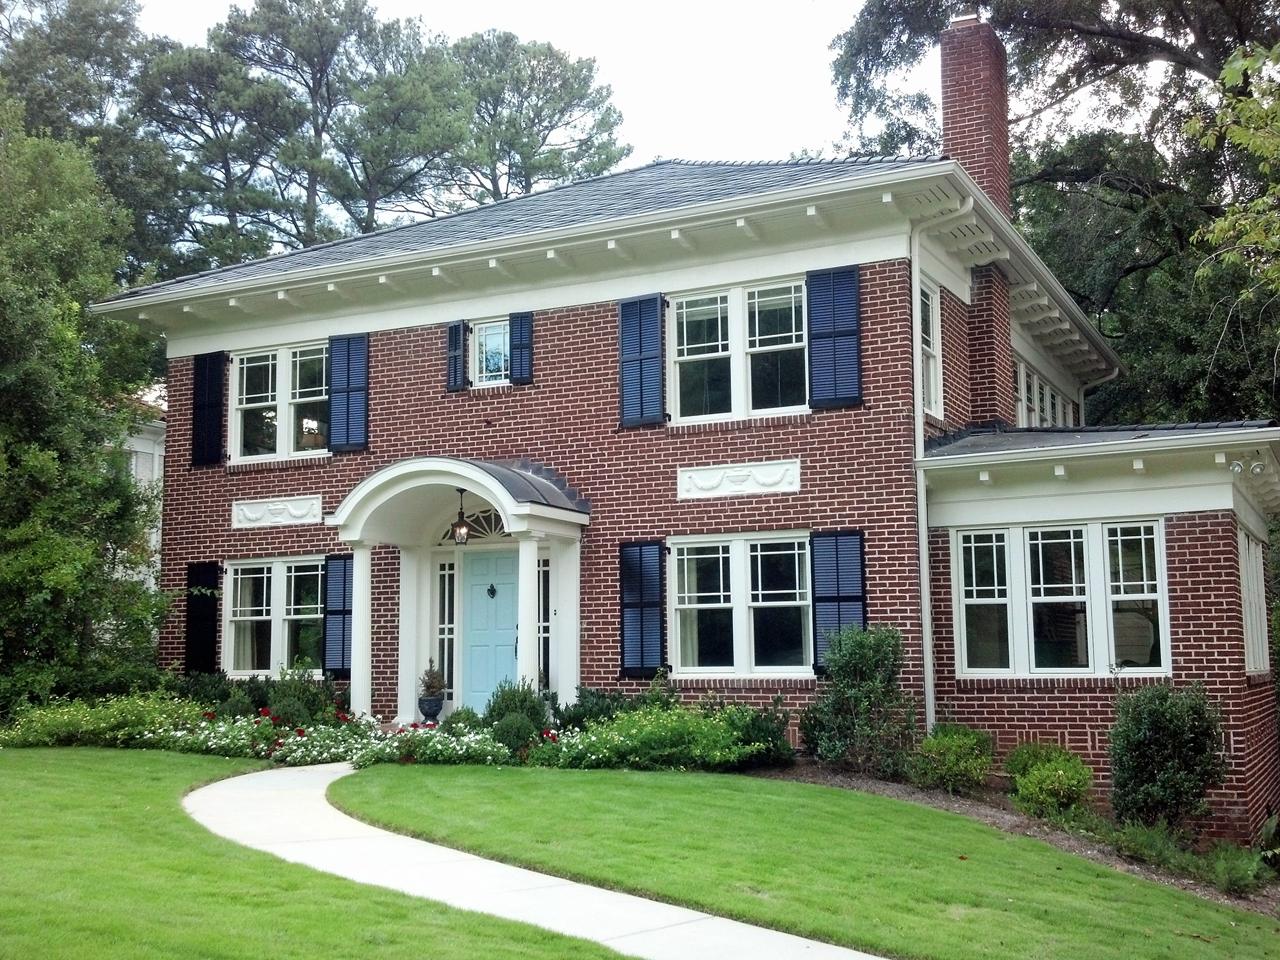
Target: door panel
488,624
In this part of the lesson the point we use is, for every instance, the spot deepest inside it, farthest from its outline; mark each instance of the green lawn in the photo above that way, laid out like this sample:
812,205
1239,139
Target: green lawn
865,871
98,860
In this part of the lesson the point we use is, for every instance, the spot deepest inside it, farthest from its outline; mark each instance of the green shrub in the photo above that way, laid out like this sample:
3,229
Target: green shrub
1268,841
956,760
115,722
1234,870
1054,785
765,727
1031,754
863,719
984,739
432,746
1166,752
590,705
651,738
297,694
521,698
514,731
462,720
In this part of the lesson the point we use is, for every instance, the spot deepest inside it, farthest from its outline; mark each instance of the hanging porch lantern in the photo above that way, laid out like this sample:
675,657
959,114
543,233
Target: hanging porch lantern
460,529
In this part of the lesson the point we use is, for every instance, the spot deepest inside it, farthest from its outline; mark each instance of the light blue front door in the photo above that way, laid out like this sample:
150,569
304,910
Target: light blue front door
488,624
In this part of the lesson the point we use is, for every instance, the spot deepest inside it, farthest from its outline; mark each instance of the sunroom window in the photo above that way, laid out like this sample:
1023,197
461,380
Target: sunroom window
985,595
276,616
742,605
1059,599
1134,581
739,352
281,403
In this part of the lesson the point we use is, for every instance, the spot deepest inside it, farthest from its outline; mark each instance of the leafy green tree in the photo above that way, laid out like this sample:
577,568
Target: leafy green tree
225,125
1108,185
73,529
408,112
540,119
310,47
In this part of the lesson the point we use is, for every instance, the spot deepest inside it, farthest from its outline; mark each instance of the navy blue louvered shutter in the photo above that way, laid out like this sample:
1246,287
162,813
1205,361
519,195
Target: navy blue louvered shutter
520,330
455,364
641,579
835,338
338,569
349,392
839,588
208,402
201,628
640,368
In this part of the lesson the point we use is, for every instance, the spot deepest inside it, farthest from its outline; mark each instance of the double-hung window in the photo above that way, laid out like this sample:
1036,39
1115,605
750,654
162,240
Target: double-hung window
742,604
1040,403
491,353
275,618
281,403
1085,599
739,352
930,358
1253,594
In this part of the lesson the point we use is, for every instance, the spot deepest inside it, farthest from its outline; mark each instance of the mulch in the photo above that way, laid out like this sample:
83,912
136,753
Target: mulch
995,810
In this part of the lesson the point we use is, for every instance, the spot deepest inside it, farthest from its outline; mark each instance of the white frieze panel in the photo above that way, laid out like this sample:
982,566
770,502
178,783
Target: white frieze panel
738,479
281,512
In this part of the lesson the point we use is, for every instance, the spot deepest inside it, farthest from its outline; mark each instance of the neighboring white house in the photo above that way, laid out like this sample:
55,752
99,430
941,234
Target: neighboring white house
146,462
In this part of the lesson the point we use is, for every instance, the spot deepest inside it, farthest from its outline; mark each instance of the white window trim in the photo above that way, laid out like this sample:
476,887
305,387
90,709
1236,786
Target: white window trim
739,353
740,594
1253,602
931,358
284,419
278,601
1098,598
473,354
1068,409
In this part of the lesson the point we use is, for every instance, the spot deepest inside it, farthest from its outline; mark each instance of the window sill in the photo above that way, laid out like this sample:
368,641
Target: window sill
1069,681
279,463
741,681
749,423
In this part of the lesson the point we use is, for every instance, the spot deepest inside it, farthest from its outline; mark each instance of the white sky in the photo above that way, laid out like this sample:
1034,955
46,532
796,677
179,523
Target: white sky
698,79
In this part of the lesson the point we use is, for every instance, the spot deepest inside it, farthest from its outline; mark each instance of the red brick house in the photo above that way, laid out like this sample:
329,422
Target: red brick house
700,414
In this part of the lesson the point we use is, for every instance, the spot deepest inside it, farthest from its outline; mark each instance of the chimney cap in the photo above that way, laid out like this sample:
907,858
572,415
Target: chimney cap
965,15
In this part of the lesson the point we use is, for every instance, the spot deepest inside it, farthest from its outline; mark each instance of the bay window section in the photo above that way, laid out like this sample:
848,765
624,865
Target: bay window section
742,605
275,618
703,372
985,594
776,347
280,407
1134,595
1082,600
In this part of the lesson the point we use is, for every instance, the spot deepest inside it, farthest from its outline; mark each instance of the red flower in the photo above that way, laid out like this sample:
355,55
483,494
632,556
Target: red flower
554,738
264,712
300,732
258,721
342,717
275,719
210,715
413,726
429,725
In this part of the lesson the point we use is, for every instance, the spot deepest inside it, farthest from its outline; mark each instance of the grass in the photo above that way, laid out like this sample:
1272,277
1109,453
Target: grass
99,861
868,872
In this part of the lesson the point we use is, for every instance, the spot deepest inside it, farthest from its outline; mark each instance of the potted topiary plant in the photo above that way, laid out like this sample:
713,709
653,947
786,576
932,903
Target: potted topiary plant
431,699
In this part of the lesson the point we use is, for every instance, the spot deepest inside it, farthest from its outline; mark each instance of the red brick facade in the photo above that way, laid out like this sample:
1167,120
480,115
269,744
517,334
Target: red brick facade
856,467
1207,639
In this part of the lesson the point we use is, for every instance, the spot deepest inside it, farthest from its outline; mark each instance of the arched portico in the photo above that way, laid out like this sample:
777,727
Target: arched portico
407,505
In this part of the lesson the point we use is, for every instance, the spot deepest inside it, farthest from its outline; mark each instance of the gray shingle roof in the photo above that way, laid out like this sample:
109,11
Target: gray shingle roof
1005,441
662,185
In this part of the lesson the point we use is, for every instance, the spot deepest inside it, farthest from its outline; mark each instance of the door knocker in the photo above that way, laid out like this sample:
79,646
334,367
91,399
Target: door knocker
492,591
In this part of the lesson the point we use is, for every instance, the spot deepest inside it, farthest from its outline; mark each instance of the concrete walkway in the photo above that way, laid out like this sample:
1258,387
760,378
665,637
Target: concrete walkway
284,812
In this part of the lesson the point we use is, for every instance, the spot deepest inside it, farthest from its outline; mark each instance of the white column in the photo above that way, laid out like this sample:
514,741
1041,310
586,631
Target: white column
566,558
362,630
527,611
409,626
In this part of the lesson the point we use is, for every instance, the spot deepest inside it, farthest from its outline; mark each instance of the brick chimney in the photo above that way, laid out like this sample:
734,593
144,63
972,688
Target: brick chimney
975,105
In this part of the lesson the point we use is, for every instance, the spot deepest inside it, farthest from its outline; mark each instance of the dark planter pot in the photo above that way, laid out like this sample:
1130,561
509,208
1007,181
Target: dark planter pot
430,708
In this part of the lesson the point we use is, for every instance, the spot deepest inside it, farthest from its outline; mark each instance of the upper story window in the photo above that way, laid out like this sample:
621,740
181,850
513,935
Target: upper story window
491,353
276,615
930,350
742,604
739,352
1085,599
281,403
1040,403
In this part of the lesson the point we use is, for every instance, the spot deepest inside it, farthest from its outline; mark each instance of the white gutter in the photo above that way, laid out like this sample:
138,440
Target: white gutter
1086,387
1191,440
194,289
922,509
